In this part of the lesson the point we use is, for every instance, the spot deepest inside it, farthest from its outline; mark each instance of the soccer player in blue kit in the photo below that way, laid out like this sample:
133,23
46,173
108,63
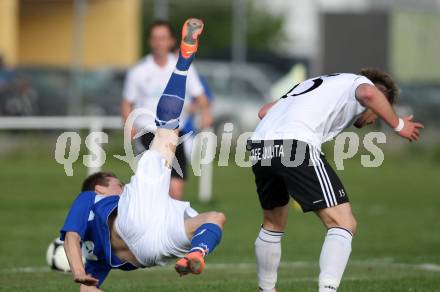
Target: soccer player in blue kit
139,225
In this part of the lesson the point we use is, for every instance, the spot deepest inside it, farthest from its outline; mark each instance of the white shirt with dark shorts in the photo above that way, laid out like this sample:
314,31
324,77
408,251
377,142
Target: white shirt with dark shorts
285,148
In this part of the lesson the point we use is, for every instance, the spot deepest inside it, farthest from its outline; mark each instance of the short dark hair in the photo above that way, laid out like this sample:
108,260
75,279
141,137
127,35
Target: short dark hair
98,178
160,22
379,77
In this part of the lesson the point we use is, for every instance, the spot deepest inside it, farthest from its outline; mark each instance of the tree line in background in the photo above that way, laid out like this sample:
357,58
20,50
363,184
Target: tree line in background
264,30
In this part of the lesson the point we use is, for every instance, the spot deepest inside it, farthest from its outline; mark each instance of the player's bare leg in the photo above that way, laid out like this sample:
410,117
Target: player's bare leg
171,103
268,246
276,219
165,142
192,224
193,262
205,229
176,188
336,249
338,216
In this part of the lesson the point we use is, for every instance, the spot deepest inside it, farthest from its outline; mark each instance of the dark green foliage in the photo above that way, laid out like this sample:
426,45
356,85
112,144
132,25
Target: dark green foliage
264,28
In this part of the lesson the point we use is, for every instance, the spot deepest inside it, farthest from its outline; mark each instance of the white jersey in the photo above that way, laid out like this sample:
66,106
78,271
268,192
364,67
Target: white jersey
314,111
146,82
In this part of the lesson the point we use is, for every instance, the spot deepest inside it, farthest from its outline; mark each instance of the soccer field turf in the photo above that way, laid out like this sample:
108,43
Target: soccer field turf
397,247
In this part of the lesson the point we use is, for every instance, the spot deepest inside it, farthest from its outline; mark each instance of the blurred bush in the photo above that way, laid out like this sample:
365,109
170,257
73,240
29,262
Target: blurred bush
264,29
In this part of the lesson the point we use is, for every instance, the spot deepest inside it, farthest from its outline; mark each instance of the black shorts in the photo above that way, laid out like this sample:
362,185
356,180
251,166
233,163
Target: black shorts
146,140
284,168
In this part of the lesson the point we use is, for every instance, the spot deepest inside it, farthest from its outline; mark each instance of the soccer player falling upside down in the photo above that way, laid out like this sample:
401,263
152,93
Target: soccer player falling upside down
287,161
139,225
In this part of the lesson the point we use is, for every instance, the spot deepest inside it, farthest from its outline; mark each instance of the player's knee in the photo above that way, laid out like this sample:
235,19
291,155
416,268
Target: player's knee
348,223
176,193
353,226
275,220
217,218
274,225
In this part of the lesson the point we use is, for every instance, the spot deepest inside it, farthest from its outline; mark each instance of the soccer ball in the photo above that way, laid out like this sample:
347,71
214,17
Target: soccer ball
56,256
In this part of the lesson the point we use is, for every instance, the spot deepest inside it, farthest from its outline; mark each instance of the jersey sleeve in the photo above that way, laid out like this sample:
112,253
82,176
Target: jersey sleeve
98,270
359,80
130,85
78,216
194,85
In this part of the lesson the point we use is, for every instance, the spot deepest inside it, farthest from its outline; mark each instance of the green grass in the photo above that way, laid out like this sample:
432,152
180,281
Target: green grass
397,207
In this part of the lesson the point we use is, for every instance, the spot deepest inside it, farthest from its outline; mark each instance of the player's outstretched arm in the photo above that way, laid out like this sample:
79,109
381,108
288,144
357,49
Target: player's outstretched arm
72,246
372,98
171,102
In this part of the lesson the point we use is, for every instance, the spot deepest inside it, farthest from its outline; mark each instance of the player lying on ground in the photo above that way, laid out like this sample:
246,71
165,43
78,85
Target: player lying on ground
138,225
292,130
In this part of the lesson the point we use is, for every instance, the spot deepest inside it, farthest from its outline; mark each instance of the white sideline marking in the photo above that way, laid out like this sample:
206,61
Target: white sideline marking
430,267
25,270
383,263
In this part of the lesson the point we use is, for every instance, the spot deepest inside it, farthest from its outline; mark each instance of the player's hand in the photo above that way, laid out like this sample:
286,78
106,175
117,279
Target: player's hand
411,130
85,279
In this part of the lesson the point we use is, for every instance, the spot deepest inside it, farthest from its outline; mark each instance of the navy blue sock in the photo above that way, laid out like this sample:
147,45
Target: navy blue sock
206,238
171,102
184,63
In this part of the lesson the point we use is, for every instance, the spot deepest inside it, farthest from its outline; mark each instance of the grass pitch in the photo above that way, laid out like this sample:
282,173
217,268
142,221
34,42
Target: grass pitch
397,248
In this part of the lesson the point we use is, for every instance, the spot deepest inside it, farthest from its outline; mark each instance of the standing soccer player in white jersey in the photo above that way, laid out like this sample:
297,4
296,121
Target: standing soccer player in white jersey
287,161
139,225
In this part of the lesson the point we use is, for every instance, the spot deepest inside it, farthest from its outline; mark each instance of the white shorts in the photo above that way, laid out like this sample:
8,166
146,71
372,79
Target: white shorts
149,221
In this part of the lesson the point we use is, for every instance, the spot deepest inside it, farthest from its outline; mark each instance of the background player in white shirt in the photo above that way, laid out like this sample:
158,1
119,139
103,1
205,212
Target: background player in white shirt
144,85
292,130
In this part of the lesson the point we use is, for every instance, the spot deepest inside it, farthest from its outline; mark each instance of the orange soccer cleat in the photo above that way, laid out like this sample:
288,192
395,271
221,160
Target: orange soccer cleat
192,263
191,30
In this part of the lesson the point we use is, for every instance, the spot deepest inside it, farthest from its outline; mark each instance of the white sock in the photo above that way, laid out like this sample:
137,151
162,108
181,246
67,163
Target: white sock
268,252
334,257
